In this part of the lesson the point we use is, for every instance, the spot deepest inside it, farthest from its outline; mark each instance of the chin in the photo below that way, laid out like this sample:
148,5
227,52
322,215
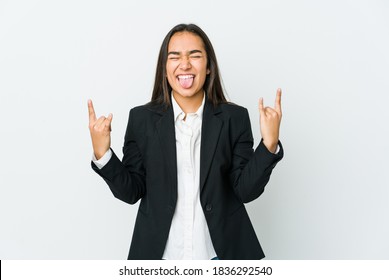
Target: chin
187,93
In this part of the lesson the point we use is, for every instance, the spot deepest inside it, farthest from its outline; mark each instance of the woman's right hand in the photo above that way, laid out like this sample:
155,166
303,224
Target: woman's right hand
100,131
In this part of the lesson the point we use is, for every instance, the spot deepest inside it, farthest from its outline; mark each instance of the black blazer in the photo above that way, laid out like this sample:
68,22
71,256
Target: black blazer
231,174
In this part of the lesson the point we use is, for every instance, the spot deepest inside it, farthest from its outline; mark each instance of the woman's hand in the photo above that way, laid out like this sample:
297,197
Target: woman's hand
270,120
100,131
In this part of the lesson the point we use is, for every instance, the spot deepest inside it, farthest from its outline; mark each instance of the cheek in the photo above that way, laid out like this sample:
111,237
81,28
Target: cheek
204,73
170,80
169,72
170,69
202,67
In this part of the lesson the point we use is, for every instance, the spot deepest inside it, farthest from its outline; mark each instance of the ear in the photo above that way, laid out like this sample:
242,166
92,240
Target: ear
208,71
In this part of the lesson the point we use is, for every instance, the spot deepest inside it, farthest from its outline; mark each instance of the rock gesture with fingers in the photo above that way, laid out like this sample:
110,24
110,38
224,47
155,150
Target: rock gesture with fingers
270,120
100,131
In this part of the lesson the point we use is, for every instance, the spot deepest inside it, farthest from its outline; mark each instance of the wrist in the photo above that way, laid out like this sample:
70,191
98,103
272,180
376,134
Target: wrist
99,154
271,146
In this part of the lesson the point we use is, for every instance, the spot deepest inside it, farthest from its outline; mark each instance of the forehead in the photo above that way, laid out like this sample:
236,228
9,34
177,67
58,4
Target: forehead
185,41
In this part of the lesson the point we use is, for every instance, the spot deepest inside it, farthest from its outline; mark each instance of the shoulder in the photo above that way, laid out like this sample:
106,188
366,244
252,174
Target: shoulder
149,108
236,116
145,116
233,110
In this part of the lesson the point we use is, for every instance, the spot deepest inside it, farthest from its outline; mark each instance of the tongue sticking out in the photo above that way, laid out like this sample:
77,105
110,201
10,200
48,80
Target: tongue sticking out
186,82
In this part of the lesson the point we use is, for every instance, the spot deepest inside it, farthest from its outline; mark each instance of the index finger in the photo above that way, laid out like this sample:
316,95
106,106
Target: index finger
91,110
277,105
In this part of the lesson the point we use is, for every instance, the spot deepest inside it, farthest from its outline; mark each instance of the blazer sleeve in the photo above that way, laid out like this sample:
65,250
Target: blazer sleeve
251,170
125,178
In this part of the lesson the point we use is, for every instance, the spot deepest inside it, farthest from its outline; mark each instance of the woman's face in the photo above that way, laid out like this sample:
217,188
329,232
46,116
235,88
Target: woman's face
186,65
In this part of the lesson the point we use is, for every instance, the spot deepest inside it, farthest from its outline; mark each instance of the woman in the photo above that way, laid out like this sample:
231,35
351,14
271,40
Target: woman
188,157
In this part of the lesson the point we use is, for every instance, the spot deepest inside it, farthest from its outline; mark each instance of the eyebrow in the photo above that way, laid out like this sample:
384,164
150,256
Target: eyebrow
178,53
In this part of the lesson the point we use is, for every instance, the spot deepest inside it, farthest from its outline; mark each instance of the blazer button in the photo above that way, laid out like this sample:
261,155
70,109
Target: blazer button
208,207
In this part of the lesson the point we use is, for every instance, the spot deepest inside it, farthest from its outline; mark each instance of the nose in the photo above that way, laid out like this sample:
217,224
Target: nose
185,63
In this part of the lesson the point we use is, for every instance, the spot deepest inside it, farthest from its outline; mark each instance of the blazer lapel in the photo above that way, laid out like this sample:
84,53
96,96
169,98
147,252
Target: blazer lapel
210,132
167,138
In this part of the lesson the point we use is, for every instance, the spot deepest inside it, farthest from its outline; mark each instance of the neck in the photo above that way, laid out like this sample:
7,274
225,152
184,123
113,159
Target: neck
189,104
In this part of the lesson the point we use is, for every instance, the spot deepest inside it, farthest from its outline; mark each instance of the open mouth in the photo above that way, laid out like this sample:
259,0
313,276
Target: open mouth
186,81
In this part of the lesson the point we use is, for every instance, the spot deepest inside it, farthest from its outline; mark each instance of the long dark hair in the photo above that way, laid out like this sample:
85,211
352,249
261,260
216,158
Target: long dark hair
212,86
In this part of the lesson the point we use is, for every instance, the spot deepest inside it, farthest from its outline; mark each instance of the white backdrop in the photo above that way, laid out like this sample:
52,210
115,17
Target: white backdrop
327,199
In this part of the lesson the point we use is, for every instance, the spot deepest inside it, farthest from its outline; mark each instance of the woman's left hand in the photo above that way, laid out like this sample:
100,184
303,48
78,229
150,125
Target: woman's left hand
270,120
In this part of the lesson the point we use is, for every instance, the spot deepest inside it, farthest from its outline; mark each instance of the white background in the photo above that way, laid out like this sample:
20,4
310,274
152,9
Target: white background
327,199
